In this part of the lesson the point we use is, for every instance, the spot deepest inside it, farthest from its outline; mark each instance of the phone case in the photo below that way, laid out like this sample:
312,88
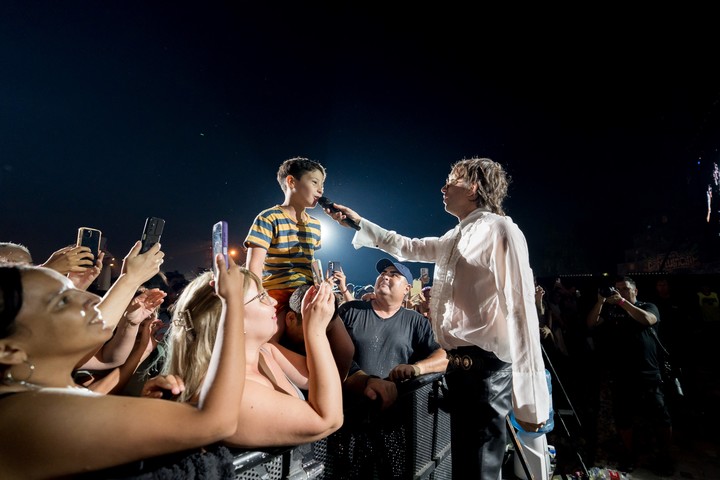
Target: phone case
151,232
316,267
220,241
90,237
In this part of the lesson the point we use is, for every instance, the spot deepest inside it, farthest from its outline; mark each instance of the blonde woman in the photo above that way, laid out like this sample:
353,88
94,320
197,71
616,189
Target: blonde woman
273,411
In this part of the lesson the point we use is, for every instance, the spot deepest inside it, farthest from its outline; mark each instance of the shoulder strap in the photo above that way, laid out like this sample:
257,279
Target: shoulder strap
657,340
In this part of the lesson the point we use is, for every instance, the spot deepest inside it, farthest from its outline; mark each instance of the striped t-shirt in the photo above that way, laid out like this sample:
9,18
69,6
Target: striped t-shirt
290,247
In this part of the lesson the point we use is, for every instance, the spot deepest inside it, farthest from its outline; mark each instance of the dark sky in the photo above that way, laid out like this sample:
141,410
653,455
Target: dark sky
114,111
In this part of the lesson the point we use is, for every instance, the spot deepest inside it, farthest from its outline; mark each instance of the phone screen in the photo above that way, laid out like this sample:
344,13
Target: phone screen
151,232
220,241
90,237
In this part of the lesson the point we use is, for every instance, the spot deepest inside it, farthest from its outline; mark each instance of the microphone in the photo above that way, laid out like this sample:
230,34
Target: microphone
327,203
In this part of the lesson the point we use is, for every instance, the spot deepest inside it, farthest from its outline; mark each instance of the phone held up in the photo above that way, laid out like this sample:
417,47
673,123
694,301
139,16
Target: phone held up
151,232
90,237
317,272
220,242
333,267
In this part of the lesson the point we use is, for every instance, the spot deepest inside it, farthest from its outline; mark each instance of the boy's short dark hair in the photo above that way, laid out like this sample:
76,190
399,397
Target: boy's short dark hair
297,167
295,302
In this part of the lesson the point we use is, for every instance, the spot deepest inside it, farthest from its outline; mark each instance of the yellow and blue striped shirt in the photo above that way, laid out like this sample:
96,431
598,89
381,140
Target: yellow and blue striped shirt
290,247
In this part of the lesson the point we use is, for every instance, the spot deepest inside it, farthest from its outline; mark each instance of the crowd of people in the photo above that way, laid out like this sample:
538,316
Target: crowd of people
264,355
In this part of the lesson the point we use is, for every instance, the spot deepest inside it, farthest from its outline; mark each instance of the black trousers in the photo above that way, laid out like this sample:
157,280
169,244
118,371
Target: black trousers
479,399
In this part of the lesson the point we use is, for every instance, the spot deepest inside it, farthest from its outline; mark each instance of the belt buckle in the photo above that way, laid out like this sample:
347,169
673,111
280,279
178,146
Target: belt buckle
467,362
463,361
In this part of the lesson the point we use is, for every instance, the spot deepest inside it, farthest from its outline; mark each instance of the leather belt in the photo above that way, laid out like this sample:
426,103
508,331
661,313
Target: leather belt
463,361
474,358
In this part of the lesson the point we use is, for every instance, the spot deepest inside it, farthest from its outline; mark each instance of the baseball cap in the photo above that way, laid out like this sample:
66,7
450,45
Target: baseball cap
405,271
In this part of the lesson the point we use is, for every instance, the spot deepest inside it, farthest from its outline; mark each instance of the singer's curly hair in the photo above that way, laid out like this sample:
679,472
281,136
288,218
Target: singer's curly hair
297,167
489,176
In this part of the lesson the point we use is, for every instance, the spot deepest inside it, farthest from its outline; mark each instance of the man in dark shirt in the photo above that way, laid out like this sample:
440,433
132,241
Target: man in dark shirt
392,341
634,367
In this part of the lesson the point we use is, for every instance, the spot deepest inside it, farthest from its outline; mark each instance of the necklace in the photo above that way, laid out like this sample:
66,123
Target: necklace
9,381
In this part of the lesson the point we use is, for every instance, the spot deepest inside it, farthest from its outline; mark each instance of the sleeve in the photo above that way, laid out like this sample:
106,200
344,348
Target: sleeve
516,290
261,233
402,248
426,343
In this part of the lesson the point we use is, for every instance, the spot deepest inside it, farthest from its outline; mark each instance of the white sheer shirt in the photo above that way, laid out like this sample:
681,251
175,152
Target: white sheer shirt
483,294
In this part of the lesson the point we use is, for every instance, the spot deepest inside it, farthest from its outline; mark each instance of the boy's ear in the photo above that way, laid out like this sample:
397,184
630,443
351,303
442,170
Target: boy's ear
290,182
11,353
290,318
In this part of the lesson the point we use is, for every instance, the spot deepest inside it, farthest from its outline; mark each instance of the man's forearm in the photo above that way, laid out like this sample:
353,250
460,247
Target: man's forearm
638,314
435,362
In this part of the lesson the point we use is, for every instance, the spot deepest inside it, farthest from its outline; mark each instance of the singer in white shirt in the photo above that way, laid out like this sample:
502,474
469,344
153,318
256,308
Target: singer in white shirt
483,313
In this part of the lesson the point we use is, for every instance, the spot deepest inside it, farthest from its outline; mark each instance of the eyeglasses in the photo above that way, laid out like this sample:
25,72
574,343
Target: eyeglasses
263,296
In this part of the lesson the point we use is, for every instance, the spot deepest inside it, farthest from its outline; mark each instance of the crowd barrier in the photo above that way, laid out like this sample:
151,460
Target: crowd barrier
413,438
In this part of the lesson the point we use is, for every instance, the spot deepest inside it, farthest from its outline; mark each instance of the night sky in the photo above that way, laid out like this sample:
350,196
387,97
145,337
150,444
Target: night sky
114,111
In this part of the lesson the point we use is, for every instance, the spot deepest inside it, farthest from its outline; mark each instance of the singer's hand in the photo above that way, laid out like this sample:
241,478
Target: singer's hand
343,213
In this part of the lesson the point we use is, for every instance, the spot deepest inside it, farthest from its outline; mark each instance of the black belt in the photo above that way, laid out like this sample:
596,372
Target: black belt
474,358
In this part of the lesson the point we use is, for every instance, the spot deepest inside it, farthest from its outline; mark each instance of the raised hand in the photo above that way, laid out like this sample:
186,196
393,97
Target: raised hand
143,266
230,282
83,280
143,305
318,306
70,259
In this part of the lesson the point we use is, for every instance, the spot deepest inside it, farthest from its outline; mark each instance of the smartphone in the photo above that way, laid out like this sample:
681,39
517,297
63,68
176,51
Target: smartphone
220,241
333,267
151,232
90,237
316,267
416,287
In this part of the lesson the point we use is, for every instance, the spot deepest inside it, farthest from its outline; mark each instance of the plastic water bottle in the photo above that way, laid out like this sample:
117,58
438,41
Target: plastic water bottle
550,424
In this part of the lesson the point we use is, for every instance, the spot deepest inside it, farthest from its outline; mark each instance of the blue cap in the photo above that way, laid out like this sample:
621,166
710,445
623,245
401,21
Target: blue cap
386,262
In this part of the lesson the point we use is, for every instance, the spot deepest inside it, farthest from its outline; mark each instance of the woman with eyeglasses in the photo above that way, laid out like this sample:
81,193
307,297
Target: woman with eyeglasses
52,427
273,410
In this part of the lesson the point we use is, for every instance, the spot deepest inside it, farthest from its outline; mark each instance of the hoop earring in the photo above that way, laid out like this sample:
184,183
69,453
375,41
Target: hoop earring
9,376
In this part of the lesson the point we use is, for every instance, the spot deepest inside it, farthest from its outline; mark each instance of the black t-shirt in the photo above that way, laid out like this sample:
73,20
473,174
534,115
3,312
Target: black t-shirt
382,344
630,348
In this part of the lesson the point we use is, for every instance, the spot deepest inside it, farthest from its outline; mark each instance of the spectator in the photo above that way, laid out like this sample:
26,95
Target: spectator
273,410
46,326
11,252
392,341
634,369
393,344
293,337
338,278
73,261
